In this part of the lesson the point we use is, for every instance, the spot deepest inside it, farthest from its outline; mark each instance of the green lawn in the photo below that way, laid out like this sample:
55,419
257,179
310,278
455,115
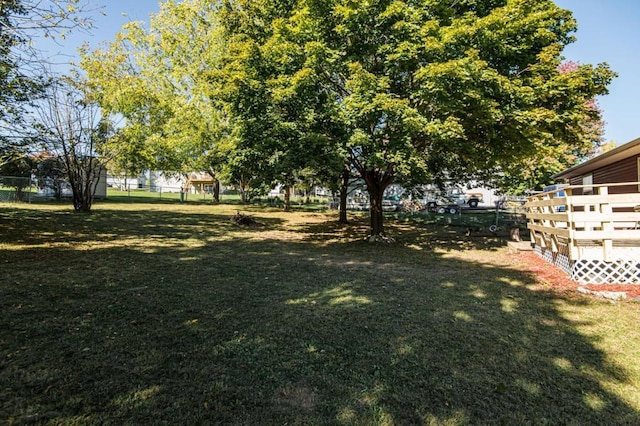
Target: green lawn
146,196
171,314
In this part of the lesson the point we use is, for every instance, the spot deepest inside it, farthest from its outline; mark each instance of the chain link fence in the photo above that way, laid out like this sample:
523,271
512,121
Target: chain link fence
14,189
145,193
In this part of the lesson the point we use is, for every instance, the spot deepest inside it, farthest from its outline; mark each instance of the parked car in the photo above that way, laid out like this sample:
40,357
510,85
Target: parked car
472,199
390,206
392,203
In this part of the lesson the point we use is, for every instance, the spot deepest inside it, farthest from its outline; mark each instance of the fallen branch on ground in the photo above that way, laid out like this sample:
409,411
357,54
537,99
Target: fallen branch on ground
243,219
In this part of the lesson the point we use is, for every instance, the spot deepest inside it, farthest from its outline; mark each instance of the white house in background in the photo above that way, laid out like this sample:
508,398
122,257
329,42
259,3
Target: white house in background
154,181
163,182
122,182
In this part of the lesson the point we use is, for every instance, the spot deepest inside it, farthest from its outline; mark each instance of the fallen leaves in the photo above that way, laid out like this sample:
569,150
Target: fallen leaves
555,279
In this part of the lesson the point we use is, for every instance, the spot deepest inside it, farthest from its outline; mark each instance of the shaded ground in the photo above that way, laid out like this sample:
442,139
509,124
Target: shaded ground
161,314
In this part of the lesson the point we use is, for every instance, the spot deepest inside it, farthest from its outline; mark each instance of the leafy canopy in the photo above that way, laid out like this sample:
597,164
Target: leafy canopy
403,91
157,79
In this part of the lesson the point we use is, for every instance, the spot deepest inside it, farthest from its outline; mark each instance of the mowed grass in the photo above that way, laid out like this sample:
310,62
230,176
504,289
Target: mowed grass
172,314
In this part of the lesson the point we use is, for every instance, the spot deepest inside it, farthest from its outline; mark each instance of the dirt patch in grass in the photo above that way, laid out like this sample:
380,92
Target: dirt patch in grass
555,279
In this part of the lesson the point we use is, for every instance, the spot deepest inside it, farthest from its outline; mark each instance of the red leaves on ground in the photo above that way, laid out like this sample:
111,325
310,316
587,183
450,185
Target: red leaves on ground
557,280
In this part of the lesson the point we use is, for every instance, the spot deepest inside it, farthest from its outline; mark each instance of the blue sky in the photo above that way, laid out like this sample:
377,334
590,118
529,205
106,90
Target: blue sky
109,16
608,31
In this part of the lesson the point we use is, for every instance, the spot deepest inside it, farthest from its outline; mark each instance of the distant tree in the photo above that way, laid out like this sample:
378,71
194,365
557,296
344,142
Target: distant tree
241,169
72,128
157,78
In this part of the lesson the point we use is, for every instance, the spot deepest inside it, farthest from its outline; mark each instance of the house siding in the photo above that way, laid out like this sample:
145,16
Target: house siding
622,171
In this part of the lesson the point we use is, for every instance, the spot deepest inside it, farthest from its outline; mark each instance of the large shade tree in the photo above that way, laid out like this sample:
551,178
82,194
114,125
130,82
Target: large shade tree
451,90
424,91
280,108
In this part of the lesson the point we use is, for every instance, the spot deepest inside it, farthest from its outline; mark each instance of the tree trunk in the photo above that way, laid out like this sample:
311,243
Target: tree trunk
216,186
376,213
344,190
82,193
216,191
19,193
287,198
243,190
82,198
83,205
377,181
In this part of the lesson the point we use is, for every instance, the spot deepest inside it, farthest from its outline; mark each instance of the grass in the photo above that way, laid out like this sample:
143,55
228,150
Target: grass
170,313
145,196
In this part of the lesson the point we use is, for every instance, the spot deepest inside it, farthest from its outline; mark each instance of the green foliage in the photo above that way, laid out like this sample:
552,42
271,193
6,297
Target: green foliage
18,166
456,90
50,171
409,92
16,88
575,141
158,79
16,173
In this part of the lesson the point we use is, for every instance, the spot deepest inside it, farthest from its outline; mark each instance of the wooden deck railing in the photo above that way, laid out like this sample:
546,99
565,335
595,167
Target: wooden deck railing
587,221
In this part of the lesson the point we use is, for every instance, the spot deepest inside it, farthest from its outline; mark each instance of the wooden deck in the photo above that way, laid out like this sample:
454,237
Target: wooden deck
600,229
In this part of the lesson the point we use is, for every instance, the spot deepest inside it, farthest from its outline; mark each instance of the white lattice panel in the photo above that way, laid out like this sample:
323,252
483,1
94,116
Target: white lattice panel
561,260
600,272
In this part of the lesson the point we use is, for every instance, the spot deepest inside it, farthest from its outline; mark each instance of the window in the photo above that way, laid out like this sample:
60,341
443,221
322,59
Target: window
587,181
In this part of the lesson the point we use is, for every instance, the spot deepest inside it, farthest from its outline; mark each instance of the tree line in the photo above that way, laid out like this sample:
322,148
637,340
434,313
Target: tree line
259,93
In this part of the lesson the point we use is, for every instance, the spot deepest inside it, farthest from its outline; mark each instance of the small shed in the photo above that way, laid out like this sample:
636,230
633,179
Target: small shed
200,183
590,227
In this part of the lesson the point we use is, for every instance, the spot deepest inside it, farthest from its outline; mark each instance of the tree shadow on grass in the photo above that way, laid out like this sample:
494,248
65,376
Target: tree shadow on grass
53,226
403,233
250,330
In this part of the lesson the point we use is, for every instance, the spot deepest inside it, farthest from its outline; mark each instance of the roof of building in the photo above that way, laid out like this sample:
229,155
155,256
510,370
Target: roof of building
202,177
620,153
